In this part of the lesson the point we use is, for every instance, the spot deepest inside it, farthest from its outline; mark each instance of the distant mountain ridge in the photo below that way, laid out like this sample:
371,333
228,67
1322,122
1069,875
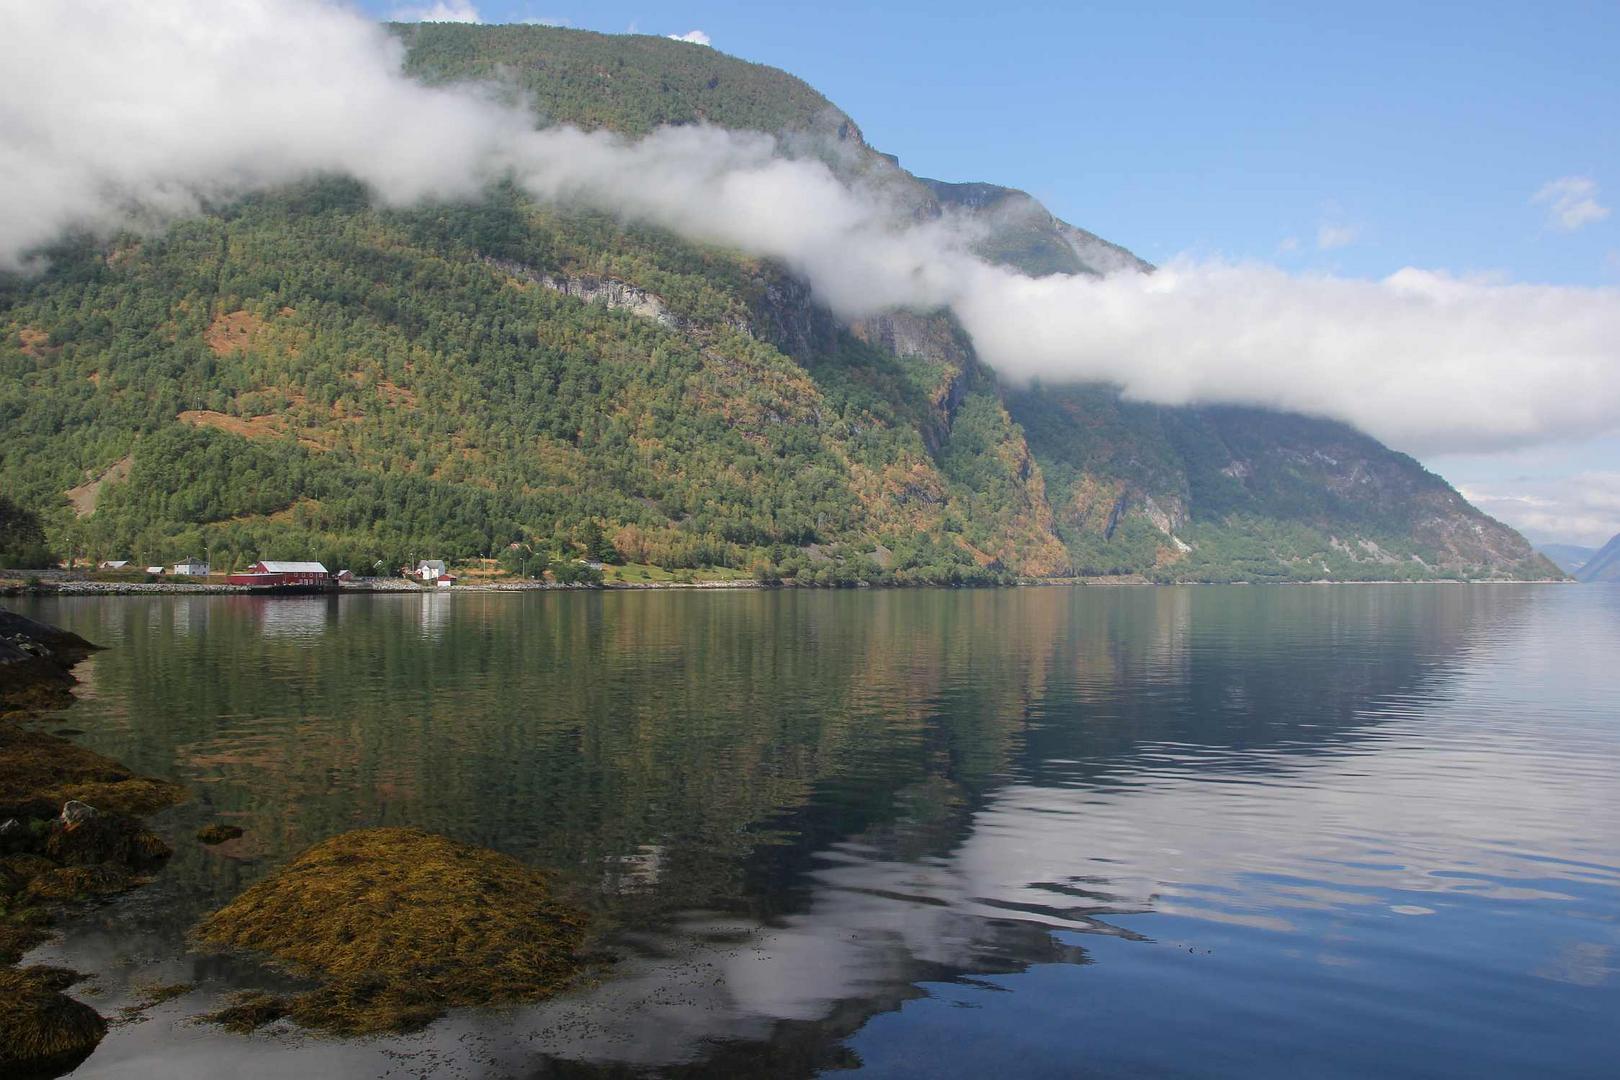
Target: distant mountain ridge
1604,565
1567,557
302,374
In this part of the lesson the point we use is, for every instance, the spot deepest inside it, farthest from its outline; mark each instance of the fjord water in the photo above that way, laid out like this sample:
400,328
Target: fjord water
1323,831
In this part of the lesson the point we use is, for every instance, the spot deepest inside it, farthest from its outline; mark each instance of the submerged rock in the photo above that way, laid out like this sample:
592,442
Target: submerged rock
250,1010
399,925
40,772
79,883
218,834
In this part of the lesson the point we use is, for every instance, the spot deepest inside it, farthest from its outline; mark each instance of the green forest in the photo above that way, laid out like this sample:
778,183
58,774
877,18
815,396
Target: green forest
302,374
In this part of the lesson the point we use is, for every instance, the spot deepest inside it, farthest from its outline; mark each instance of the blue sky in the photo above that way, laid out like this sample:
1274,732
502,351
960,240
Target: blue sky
1352,139
1417,134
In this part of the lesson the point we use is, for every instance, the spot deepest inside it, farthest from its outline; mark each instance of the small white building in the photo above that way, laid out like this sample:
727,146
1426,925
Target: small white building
444,581
154,569
430,570
115,564
192,567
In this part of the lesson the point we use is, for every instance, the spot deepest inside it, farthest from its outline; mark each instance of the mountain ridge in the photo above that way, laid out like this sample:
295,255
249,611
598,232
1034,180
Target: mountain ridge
1604,564
302,372
1567,557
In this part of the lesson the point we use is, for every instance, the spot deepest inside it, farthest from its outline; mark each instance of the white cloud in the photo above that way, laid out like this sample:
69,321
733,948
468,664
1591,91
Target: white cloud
1571,202
1288,245
696,37
1583,508
1329,237
456,11
113,114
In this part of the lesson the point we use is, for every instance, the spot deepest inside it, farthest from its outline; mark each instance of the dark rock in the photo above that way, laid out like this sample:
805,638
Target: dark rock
14,837
106,838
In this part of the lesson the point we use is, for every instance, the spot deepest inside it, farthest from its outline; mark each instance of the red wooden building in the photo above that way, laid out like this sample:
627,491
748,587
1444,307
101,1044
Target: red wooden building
265,572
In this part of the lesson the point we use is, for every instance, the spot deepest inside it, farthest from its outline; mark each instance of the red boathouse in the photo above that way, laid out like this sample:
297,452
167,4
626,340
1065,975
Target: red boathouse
266,572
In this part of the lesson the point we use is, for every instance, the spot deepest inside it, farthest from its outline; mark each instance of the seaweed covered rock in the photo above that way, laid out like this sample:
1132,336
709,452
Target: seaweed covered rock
63,883
17,870
36,664
249,1010
64,836
398,925
40,772
43,1032
17,936
218,833
105,838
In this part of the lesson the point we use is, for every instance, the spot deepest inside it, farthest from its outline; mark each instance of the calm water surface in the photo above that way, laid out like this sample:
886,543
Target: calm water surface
1256,832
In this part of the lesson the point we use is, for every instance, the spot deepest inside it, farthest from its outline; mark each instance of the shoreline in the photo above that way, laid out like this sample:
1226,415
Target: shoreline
73,833
388,587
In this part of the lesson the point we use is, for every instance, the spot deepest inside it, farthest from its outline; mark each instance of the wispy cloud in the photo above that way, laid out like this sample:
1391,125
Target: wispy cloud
696,37
1330,237
1571,202
129,112
449,11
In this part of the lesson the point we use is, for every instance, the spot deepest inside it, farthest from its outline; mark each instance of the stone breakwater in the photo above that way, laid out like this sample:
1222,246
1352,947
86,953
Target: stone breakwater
70,587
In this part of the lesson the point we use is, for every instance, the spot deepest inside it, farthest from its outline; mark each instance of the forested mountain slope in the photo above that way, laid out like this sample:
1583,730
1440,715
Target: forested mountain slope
301,373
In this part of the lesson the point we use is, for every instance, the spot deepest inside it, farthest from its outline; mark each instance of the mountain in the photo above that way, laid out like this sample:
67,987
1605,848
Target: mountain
1604,565
1567,557
302,373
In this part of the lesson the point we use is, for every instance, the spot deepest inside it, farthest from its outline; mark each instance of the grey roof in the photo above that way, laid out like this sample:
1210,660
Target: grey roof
293,567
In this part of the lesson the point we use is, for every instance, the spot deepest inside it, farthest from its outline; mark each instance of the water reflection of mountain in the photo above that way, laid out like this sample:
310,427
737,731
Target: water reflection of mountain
800,798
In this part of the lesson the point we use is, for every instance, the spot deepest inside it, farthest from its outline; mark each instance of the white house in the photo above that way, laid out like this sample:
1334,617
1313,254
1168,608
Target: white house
192,567
444,581
430,569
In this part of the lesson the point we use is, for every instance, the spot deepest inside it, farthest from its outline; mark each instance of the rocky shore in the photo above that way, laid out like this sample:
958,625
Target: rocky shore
396,925
70,833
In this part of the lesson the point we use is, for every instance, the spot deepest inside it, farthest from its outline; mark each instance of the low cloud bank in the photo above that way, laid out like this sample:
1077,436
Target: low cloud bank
1580,508
114,115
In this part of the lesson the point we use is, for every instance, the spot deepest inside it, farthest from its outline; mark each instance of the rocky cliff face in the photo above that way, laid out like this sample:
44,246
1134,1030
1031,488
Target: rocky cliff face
1199,493
1020,232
